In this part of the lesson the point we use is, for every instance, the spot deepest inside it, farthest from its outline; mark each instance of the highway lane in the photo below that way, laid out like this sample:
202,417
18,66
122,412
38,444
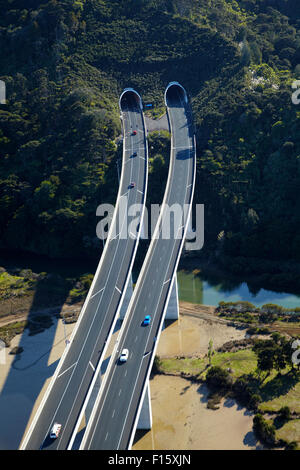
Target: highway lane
74,374
115,413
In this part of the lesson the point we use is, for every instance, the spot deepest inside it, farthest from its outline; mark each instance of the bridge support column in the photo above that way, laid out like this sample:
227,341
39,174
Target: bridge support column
145,418
127,297
172,312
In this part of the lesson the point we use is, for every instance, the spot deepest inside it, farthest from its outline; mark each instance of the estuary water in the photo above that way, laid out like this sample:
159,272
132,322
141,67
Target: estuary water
194,288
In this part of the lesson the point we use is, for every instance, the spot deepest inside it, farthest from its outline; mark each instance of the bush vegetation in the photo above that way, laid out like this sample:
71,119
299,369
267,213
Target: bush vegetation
65,64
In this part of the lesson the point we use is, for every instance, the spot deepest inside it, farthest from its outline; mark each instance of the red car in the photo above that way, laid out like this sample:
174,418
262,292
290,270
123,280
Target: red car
134,133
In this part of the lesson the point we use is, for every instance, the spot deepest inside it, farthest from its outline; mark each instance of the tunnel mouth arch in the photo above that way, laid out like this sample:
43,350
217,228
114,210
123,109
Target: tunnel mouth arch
129,96
172,89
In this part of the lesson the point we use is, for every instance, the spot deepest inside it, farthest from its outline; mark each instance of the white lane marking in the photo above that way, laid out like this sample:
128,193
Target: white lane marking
141,192
92,366
118,289
166,281
67,370
113,413
97,292
120,391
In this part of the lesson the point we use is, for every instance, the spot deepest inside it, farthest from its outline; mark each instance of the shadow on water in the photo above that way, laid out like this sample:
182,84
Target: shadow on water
32,367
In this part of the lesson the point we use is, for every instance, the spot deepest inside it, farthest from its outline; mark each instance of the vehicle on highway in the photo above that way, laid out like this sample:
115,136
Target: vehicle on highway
54,433
147,320
124,355
134,154
132,184
134,133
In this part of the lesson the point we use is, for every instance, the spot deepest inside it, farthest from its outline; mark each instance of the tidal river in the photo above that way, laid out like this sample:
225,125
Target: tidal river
194,288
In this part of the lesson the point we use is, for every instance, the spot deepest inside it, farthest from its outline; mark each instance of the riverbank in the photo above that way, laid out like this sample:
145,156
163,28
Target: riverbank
190,335
181,418
201,418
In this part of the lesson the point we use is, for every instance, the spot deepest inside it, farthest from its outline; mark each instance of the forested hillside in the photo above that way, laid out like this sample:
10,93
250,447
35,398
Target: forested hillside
65,63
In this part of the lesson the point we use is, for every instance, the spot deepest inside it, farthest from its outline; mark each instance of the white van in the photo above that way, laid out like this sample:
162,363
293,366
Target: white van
55,430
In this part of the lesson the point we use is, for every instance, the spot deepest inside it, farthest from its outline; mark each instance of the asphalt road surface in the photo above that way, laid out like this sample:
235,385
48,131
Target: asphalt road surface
74,374
113,418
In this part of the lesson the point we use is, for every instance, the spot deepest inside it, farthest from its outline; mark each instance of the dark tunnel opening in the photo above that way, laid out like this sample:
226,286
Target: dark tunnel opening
130,99
175,93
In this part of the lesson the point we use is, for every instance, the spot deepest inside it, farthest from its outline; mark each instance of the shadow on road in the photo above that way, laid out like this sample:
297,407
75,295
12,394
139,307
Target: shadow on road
29,370
184,154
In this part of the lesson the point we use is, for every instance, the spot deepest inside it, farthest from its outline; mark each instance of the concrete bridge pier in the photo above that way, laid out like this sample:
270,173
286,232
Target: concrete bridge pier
145,418
172,312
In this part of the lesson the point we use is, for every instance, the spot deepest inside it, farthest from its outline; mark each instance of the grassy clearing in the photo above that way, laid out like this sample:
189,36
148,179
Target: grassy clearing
24,292
281,391
290,431
9,331
240,362
14,286
185,365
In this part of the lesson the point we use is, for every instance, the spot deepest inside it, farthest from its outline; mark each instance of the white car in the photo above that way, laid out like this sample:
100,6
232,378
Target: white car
55,430
124,355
